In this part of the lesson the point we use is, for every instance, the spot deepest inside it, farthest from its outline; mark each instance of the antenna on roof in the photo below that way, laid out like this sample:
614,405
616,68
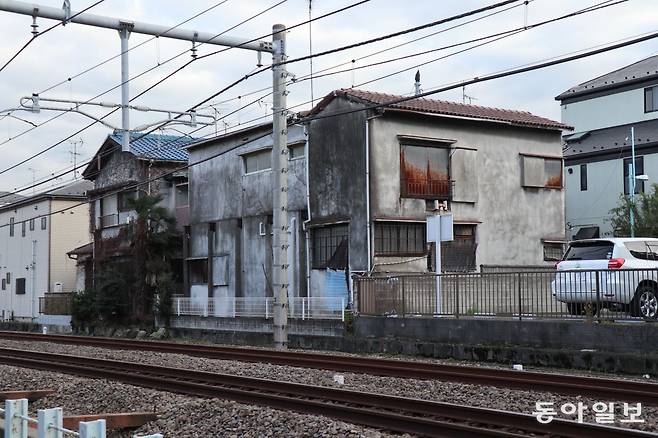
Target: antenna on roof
466,96
417,83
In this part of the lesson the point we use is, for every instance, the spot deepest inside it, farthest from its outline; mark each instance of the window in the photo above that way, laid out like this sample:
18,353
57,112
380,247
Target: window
23,228
258,161
639,170
296,151
400,238
44,222
31,224
424,172
198,269
20,286
643,250
327,241
596,250
458,255
651,99
4,284
8,278
583,177
553,251
541,172
11,227
124,201
182,195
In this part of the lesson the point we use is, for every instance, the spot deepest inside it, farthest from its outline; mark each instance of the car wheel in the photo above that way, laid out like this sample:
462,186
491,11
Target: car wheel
645,302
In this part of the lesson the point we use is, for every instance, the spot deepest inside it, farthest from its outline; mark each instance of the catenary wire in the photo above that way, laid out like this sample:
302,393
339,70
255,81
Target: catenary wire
34,37
376,106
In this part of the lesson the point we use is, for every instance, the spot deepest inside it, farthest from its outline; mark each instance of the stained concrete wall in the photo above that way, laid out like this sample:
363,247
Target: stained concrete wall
240,204
337,165
511,219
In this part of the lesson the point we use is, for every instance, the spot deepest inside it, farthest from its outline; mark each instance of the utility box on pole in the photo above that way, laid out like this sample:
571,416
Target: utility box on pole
280,188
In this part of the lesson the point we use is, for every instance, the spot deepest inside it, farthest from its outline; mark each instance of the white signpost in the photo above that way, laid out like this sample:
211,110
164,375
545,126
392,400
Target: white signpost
439,229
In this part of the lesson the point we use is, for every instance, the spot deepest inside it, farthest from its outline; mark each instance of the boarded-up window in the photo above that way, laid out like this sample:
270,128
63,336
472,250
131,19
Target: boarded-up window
400,238
463,170
326,242
257,161
20,286
424,172
541,172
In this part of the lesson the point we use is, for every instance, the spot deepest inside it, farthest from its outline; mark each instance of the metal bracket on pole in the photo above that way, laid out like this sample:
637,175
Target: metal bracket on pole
92,429
15,418
34,25
51,422
67,12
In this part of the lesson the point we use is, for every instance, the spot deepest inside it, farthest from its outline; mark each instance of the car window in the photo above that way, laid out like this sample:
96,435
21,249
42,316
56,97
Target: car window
598,250
643,250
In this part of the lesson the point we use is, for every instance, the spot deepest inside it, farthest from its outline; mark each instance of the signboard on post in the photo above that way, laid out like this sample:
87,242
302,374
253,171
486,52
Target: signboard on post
439,229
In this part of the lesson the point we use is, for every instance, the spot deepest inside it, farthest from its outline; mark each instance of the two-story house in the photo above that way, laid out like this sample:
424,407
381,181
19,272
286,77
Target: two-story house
119,176
36,233
598,154
361,185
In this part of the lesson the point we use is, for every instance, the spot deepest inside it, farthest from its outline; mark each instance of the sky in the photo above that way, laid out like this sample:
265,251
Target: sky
68,50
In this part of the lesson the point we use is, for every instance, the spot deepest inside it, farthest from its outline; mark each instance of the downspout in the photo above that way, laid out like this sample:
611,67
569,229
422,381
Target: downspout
368,231
307,232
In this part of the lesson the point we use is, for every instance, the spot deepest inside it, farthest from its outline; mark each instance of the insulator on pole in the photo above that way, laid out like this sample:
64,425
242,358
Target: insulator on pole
34,25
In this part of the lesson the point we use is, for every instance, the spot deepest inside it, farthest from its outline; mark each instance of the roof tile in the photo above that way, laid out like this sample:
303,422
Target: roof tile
156,146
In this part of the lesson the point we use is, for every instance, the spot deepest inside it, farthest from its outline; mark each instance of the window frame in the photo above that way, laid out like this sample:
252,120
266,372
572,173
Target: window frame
639,170
583,177
44,223
337,233
393,234
446,193
255,154
203,264
32,224
527,182
3,285
11,227
462,241
650,92
552,245
21,286
187,195
296,146
122,198
23,228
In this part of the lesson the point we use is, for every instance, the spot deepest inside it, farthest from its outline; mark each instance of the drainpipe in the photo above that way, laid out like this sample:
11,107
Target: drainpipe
368,224
307,232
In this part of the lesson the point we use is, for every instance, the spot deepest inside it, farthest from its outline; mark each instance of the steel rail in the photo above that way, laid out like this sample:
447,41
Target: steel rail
406,415
594,387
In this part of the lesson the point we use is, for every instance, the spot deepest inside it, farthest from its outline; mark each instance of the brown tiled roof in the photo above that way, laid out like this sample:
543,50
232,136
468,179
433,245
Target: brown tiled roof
442,107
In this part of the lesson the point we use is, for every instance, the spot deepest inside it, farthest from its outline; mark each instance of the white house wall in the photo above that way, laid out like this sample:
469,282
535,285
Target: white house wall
16,259
612,110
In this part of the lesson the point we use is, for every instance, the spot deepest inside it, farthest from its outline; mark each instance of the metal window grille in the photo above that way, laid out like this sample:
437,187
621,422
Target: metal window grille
400,238
553,251
326,241
424,172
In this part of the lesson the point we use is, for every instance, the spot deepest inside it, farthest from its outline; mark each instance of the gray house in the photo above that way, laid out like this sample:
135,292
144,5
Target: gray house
598,154
229,241
361,187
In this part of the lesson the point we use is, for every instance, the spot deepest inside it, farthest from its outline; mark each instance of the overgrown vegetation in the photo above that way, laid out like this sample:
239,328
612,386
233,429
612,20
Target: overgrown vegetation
645,210
134,277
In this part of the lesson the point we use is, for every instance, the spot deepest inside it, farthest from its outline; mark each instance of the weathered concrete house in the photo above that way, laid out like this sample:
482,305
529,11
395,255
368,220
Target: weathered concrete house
359,204
376,174
229,242
115,174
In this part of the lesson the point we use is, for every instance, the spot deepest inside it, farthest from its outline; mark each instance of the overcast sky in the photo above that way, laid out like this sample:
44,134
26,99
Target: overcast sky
66,51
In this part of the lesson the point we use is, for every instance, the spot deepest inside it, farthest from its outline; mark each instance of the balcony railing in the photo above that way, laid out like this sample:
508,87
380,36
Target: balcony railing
109,220
427,188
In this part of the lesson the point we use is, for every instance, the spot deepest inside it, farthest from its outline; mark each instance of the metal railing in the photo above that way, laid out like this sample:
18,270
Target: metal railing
607,294
59,303
426,187
260,307
49,423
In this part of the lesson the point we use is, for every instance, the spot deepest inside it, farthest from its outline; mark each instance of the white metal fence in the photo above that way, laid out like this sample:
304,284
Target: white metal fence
260,307
49,423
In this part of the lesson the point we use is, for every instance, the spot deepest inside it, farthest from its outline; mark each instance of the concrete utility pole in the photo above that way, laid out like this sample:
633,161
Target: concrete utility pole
125,28
280,189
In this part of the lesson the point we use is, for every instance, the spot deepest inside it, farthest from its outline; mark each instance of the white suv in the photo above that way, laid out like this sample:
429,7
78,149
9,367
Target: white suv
617,273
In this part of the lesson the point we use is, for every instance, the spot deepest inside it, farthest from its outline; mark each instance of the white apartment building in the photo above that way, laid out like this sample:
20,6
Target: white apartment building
35,235
598,154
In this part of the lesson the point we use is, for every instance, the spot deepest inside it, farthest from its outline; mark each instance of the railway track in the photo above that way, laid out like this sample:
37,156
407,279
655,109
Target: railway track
404,415
597,388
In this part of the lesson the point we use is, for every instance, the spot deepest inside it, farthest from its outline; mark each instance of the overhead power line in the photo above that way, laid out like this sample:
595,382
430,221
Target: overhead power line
588,9
38,34
396,101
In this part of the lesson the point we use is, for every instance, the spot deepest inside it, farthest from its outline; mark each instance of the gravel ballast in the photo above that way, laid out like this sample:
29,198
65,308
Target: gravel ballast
474,395
181,416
